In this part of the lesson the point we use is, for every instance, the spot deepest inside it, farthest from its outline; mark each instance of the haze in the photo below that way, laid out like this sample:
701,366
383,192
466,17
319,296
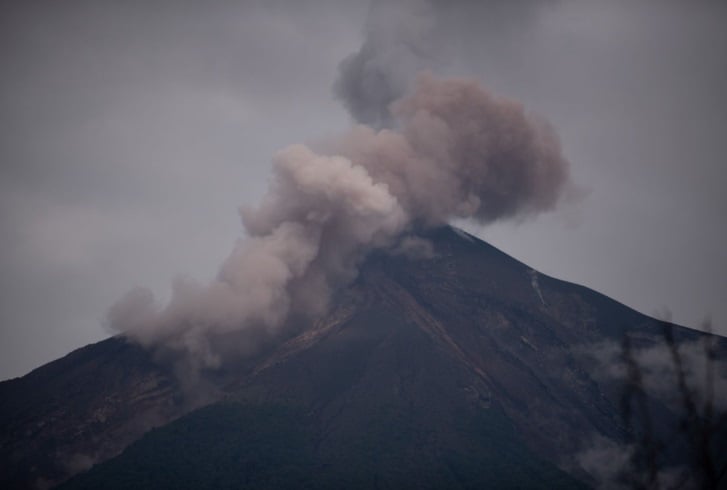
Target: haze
132,132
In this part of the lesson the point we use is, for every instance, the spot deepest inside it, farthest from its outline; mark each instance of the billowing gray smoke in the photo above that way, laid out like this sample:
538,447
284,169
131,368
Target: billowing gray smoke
458,152
400,40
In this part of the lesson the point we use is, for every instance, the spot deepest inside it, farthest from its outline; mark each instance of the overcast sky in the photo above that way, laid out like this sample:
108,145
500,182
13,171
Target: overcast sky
132,131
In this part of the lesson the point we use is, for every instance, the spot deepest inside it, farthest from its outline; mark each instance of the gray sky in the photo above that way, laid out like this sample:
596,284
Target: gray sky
132,131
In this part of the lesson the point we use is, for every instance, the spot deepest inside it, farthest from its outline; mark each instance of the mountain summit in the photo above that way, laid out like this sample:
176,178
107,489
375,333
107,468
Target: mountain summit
453,367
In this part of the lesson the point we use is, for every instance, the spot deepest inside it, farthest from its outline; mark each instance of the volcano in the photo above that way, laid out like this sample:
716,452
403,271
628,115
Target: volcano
457,368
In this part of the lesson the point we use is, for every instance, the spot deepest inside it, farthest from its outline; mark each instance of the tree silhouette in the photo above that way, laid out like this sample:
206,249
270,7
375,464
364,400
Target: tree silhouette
701,427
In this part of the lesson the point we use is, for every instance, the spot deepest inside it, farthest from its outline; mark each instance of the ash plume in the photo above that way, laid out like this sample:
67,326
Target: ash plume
458,152
400,40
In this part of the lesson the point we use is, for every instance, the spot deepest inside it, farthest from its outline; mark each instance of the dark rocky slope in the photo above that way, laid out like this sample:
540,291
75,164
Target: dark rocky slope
86,407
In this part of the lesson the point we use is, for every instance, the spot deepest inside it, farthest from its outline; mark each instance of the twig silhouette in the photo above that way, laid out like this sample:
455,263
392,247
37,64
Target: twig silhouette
698,426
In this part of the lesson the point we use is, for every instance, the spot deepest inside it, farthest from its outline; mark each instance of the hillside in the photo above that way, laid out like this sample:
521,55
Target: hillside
456,370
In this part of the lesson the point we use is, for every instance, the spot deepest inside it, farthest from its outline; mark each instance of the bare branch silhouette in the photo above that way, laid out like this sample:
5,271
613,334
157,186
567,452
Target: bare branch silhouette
701,425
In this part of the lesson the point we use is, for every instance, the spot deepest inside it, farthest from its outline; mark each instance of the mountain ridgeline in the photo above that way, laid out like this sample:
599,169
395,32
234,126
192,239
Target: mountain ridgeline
460,368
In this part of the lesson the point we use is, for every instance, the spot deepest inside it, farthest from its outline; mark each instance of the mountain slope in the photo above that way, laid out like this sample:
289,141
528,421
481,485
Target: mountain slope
234,445
86,407
438,371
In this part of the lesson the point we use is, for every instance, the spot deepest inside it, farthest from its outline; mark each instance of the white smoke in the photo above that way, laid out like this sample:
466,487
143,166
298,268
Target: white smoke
319,215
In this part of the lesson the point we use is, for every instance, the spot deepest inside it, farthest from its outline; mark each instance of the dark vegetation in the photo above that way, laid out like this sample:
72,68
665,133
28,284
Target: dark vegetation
233,445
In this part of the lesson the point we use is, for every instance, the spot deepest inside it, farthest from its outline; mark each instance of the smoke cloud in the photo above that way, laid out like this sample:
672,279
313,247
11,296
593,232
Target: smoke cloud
400,40
429,151
449,149
459,152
